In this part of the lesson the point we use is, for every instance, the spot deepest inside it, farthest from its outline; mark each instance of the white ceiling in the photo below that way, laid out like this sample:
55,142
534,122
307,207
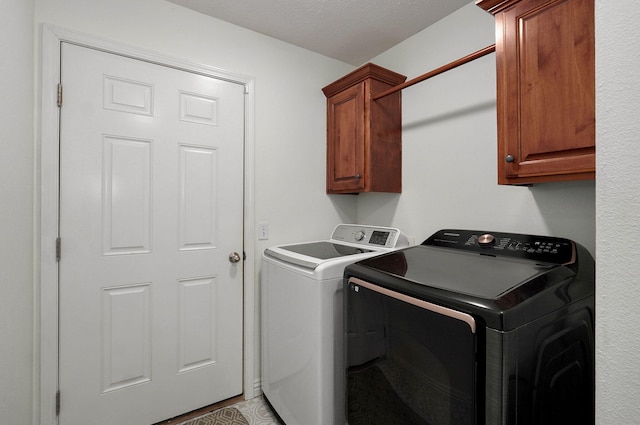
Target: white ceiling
352,31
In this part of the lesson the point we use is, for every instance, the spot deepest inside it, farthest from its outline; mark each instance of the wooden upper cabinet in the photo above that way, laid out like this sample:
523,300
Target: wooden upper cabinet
545,55
364,137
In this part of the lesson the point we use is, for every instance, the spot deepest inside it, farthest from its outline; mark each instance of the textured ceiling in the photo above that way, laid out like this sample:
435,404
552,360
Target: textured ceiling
352,31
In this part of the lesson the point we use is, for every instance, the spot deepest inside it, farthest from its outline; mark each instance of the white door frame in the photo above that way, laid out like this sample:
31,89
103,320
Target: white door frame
52,36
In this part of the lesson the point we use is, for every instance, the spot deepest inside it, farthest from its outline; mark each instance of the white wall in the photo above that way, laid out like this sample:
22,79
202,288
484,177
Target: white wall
285,183
16,211
450,147
618,212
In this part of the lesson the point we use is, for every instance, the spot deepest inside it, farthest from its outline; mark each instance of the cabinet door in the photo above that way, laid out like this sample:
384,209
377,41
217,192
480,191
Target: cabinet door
345,141
546,91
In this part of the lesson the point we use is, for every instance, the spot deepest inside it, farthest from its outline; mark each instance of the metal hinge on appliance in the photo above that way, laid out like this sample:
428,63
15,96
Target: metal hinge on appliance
59,95
58,248
58,403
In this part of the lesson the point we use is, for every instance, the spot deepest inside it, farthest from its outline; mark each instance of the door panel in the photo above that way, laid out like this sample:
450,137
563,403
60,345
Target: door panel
126,203
151,205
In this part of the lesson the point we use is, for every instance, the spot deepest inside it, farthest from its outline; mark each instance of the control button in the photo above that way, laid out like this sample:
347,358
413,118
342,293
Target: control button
486,240
359,235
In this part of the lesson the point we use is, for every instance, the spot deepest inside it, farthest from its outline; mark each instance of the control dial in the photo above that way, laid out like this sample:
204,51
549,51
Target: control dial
359,235
486,240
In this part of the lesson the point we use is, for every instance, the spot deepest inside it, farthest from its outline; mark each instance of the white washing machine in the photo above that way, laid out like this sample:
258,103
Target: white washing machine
302,311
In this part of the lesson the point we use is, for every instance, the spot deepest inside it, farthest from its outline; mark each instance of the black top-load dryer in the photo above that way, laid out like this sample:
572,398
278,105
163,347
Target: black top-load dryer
471,327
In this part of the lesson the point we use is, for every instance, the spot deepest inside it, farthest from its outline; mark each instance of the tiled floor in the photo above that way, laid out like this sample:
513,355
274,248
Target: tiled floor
257,412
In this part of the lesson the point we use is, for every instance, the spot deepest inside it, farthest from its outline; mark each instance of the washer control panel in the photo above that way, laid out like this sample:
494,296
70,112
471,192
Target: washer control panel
538,248
384,237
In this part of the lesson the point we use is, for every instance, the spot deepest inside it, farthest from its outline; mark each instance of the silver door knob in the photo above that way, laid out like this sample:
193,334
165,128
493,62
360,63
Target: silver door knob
234,257
509,158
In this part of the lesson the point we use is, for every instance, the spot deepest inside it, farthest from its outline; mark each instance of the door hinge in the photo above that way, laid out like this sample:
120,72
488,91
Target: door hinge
58,249
58,403
59,95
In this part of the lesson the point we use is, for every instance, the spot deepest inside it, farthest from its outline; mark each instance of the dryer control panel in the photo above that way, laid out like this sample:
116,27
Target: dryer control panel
536,248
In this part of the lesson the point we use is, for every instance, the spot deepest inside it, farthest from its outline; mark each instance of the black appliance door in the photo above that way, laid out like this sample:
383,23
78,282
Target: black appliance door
407,361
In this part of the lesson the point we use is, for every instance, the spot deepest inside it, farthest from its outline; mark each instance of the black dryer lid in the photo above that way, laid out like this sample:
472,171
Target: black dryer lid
508,281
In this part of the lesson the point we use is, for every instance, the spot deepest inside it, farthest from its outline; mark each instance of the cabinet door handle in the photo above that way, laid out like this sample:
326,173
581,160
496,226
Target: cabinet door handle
357,176
509,158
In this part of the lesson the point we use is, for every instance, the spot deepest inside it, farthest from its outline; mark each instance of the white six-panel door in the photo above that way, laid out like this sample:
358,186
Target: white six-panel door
151,207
